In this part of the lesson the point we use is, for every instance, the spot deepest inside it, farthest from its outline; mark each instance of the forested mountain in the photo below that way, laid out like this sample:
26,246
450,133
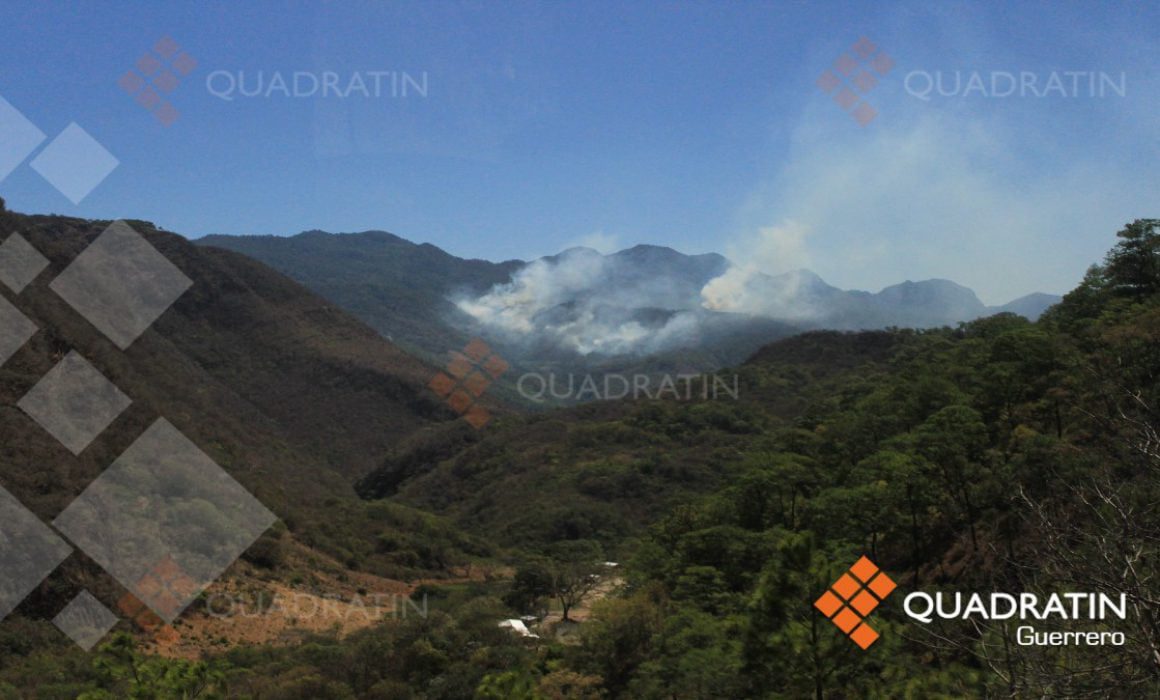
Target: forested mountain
399,288
1002,455
581,309
292,396
999,455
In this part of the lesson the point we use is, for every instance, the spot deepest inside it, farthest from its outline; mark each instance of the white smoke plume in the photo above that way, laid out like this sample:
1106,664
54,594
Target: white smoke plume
572,302
588,303
539,286
751,287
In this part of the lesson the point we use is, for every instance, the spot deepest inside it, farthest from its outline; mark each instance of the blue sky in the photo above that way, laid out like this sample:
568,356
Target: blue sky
545,125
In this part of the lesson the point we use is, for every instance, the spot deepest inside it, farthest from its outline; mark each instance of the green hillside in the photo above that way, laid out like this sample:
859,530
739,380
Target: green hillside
293,397
1001,455
397,287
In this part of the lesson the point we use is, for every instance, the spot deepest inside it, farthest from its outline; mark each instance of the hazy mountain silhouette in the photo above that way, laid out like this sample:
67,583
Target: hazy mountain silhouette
580,304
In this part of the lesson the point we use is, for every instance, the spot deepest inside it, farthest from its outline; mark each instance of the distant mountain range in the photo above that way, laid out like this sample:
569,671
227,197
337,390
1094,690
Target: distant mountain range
584,308
399,288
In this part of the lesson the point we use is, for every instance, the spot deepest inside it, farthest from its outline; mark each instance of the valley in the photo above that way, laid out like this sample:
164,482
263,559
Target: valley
898,443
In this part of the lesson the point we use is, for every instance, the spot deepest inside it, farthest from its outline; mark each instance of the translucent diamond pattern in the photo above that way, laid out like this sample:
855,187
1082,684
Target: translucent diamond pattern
468,375
161,76
85,620
74,163
15,330
29,552
854,101
121,284
20,263
18,138
74,402
164,520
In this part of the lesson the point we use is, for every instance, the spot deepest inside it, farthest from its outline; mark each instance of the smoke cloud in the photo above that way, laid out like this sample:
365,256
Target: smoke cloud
588,303
578,301
749,288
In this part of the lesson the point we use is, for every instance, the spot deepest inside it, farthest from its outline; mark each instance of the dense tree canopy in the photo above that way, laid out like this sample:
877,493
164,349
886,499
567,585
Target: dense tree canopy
1000,455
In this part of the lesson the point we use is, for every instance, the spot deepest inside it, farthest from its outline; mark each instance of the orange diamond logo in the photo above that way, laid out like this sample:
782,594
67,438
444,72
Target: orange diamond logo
864,569
846,586
442,384
476,383
882,586
459,365
477,350
864,603
477,416
847,620
467,376
864,636
496,366
828,604
854,596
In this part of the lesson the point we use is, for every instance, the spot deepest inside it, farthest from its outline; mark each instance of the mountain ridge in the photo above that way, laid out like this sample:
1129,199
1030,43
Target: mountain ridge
230,241
289,394
580,304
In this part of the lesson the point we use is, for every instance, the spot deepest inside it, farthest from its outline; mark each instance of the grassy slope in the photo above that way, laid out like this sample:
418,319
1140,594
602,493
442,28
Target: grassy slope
397,287
292,396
